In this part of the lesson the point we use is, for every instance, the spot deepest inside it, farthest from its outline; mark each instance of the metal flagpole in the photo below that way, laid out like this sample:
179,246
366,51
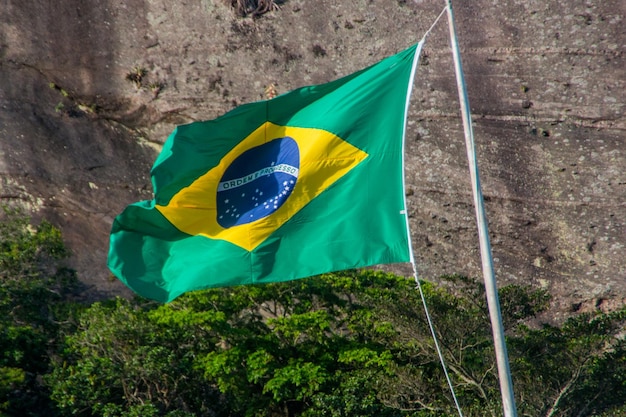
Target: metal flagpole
504,372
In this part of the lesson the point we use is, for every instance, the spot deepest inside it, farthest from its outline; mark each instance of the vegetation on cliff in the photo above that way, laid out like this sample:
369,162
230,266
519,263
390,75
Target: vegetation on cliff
343,344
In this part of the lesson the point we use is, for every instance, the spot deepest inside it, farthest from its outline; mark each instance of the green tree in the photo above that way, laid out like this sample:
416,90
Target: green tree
580,366
33,283
134,359
345,344
349,344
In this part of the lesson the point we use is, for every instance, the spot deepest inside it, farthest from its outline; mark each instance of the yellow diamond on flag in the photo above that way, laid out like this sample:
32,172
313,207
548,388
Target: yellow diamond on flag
261,183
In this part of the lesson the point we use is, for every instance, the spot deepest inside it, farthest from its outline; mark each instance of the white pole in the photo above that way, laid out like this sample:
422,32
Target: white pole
504,372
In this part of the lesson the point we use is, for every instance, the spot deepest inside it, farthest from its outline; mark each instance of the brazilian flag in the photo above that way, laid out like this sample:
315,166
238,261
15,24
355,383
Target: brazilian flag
306,183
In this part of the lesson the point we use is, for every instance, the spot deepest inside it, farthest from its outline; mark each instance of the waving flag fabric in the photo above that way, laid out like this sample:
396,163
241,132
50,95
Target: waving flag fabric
305,183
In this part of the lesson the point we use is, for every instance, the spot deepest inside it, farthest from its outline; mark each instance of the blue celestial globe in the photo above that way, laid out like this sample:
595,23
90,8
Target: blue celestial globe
258,182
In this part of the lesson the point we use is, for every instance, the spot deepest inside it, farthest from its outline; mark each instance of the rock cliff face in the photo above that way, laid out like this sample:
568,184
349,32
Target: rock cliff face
89,91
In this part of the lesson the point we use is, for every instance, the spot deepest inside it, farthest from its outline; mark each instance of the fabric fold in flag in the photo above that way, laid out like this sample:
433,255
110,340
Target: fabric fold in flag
305,183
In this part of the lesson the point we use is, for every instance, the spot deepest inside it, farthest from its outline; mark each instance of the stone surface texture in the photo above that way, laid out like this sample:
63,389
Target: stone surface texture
546,82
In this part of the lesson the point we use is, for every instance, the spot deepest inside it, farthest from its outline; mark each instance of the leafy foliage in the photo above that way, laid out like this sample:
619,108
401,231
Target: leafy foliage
337,345
349,344
580,366
254,8
129,364
33,284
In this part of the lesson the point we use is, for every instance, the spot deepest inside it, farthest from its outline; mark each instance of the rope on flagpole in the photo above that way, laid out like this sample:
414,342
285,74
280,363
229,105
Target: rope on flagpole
432,331
410,243
434,24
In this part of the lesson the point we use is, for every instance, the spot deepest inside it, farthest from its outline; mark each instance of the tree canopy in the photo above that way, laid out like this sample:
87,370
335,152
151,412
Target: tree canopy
354,343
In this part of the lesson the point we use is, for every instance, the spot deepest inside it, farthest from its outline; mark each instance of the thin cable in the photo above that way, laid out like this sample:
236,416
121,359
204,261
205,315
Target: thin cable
434,24
410,243
432,331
